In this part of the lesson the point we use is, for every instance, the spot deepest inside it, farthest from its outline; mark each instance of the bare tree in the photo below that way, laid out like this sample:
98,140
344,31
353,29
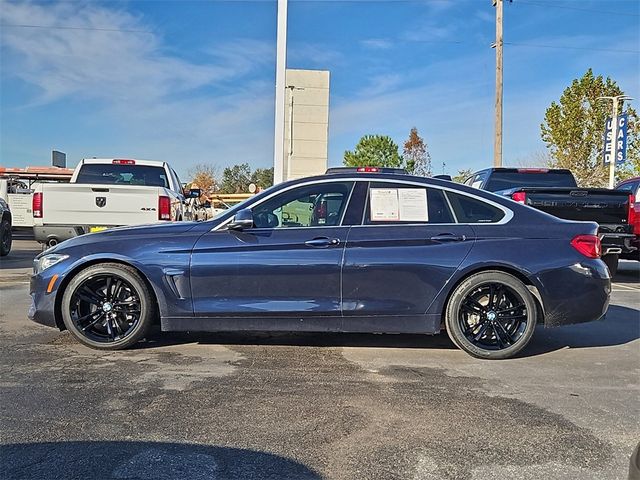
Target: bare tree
416,156
205,176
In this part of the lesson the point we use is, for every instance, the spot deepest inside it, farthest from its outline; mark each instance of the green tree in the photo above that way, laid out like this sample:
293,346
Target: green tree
416,155
374,151
236,179
462,175
573,130
262,177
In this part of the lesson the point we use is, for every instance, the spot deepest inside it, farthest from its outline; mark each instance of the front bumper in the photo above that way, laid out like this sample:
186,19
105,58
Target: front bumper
575,294
42,308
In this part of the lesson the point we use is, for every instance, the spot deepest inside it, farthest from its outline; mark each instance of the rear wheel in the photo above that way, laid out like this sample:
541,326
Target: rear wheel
612,263
108,306
5,238
491,315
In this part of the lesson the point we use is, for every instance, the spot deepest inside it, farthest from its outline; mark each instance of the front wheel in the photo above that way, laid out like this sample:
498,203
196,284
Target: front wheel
491,315
108,306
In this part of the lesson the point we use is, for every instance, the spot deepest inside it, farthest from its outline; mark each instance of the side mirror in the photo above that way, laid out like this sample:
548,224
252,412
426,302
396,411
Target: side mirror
192,193
243,219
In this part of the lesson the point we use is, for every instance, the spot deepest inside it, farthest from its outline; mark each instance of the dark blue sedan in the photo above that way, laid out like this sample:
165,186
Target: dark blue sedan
348,252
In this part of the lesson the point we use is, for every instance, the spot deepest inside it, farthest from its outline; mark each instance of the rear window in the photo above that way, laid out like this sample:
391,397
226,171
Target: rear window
110,174
507,180
471,210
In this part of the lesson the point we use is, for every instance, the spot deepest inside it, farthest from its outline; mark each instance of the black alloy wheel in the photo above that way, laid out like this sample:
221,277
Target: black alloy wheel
491,315
107,306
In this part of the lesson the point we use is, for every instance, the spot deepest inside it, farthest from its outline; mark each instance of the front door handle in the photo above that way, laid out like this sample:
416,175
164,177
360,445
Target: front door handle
448,237
322,242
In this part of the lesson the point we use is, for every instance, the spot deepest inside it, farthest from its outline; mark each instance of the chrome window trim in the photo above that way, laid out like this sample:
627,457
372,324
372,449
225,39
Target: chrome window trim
508,213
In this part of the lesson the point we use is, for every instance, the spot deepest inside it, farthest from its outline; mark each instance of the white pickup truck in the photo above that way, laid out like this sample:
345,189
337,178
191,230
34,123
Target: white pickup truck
106,193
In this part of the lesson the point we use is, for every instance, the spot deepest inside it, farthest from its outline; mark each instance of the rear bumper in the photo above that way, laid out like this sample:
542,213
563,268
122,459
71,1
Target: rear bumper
617,243
46,233
575,294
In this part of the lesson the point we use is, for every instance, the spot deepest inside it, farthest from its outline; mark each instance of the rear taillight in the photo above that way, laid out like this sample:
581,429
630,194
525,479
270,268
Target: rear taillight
36,205
632,215
587,245
520,197
164,208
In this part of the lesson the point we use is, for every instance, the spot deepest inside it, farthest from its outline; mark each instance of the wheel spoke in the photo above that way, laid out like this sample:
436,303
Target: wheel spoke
510,309
116,290
93,322
471,329
88,295
481,332
502,336
472,308
512,317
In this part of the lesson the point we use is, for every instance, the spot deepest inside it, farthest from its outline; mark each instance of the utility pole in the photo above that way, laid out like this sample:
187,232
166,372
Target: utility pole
497,142
281,66
614,135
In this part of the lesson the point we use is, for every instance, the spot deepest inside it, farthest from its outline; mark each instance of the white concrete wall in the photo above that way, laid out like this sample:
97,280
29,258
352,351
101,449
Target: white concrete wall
310,123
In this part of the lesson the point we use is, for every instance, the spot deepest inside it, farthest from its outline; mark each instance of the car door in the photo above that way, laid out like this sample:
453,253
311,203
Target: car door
406,249
286,265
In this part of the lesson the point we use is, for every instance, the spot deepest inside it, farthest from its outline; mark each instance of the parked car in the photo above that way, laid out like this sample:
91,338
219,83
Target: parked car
632,185
374,252
5,228
555,191
105,193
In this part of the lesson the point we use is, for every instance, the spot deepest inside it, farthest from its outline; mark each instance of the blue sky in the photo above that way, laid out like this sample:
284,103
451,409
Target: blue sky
193,82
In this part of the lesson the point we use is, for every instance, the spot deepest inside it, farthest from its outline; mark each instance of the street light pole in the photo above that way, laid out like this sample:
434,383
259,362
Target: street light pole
497,143
614,136
281,66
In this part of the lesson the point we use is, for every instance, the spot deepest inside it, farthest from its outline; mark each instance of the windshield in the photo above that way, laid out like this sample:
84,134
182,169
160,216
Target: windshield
507,180
113,174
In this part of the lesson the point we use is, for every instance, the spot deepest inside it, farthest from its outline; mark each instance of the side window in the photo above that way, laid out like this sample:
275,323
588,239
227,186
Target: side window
311,206
396,203
472,210
479,180
176,180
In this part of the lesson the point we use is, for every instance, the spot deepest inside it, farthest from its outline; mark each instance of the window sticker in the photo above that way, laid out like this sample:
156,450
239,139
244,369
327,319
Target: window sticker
384,204
413,205
398,205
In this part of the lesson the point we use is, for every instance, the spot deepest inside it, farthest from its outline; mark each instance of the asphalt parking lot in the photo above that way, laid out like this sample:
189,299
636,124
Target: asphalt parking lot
240,406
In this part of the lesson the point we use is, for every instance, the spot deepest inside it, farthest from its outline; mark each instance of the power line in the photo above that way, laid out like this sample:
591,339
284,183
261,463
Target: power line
565,47
57,27
565,7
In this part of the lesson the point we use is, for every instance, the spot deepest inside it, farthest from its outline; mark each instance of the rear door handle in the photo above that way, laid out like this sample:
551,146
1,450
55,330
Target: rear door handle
448,237
322,242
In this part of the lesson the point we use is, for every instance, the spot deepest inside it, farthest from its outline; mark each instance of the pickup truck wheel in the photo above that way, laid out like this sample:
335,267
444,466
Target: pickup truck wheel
491,315
108,306
5,238
612,263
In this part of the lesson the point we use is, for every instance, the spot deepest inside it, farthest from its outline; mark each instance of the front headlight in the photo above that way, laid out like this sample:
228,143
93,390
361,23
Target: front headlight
42,263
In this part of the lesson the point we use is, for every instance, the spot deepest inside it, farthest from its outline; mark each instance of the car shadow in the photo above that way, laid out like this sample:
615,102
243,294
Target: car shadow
628,272
144,460
620,326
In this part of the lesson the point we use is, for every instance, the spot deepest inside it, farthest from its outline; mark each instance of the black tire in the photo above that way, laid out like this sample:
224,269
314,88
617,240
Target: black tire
611,261
491,315
130,313
5,238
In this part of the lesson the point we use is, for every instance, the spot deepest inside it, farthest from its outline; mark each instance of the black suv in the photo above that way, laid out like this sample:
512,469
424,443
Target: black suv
5,228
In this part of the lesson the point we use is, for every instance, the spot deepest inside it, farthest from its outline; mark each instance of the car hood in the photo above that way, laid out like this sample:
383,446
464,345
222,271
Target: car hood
155,229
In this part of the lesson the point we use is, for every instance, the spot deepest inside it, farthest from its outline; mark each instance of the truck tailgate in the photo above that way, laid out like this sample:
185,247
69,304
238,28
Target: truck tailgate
607,207
108,205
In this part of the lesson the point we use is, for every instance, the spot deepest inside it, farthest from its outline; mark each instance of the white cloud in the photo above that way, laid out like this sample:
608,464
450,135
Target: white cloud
159,104
377,43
